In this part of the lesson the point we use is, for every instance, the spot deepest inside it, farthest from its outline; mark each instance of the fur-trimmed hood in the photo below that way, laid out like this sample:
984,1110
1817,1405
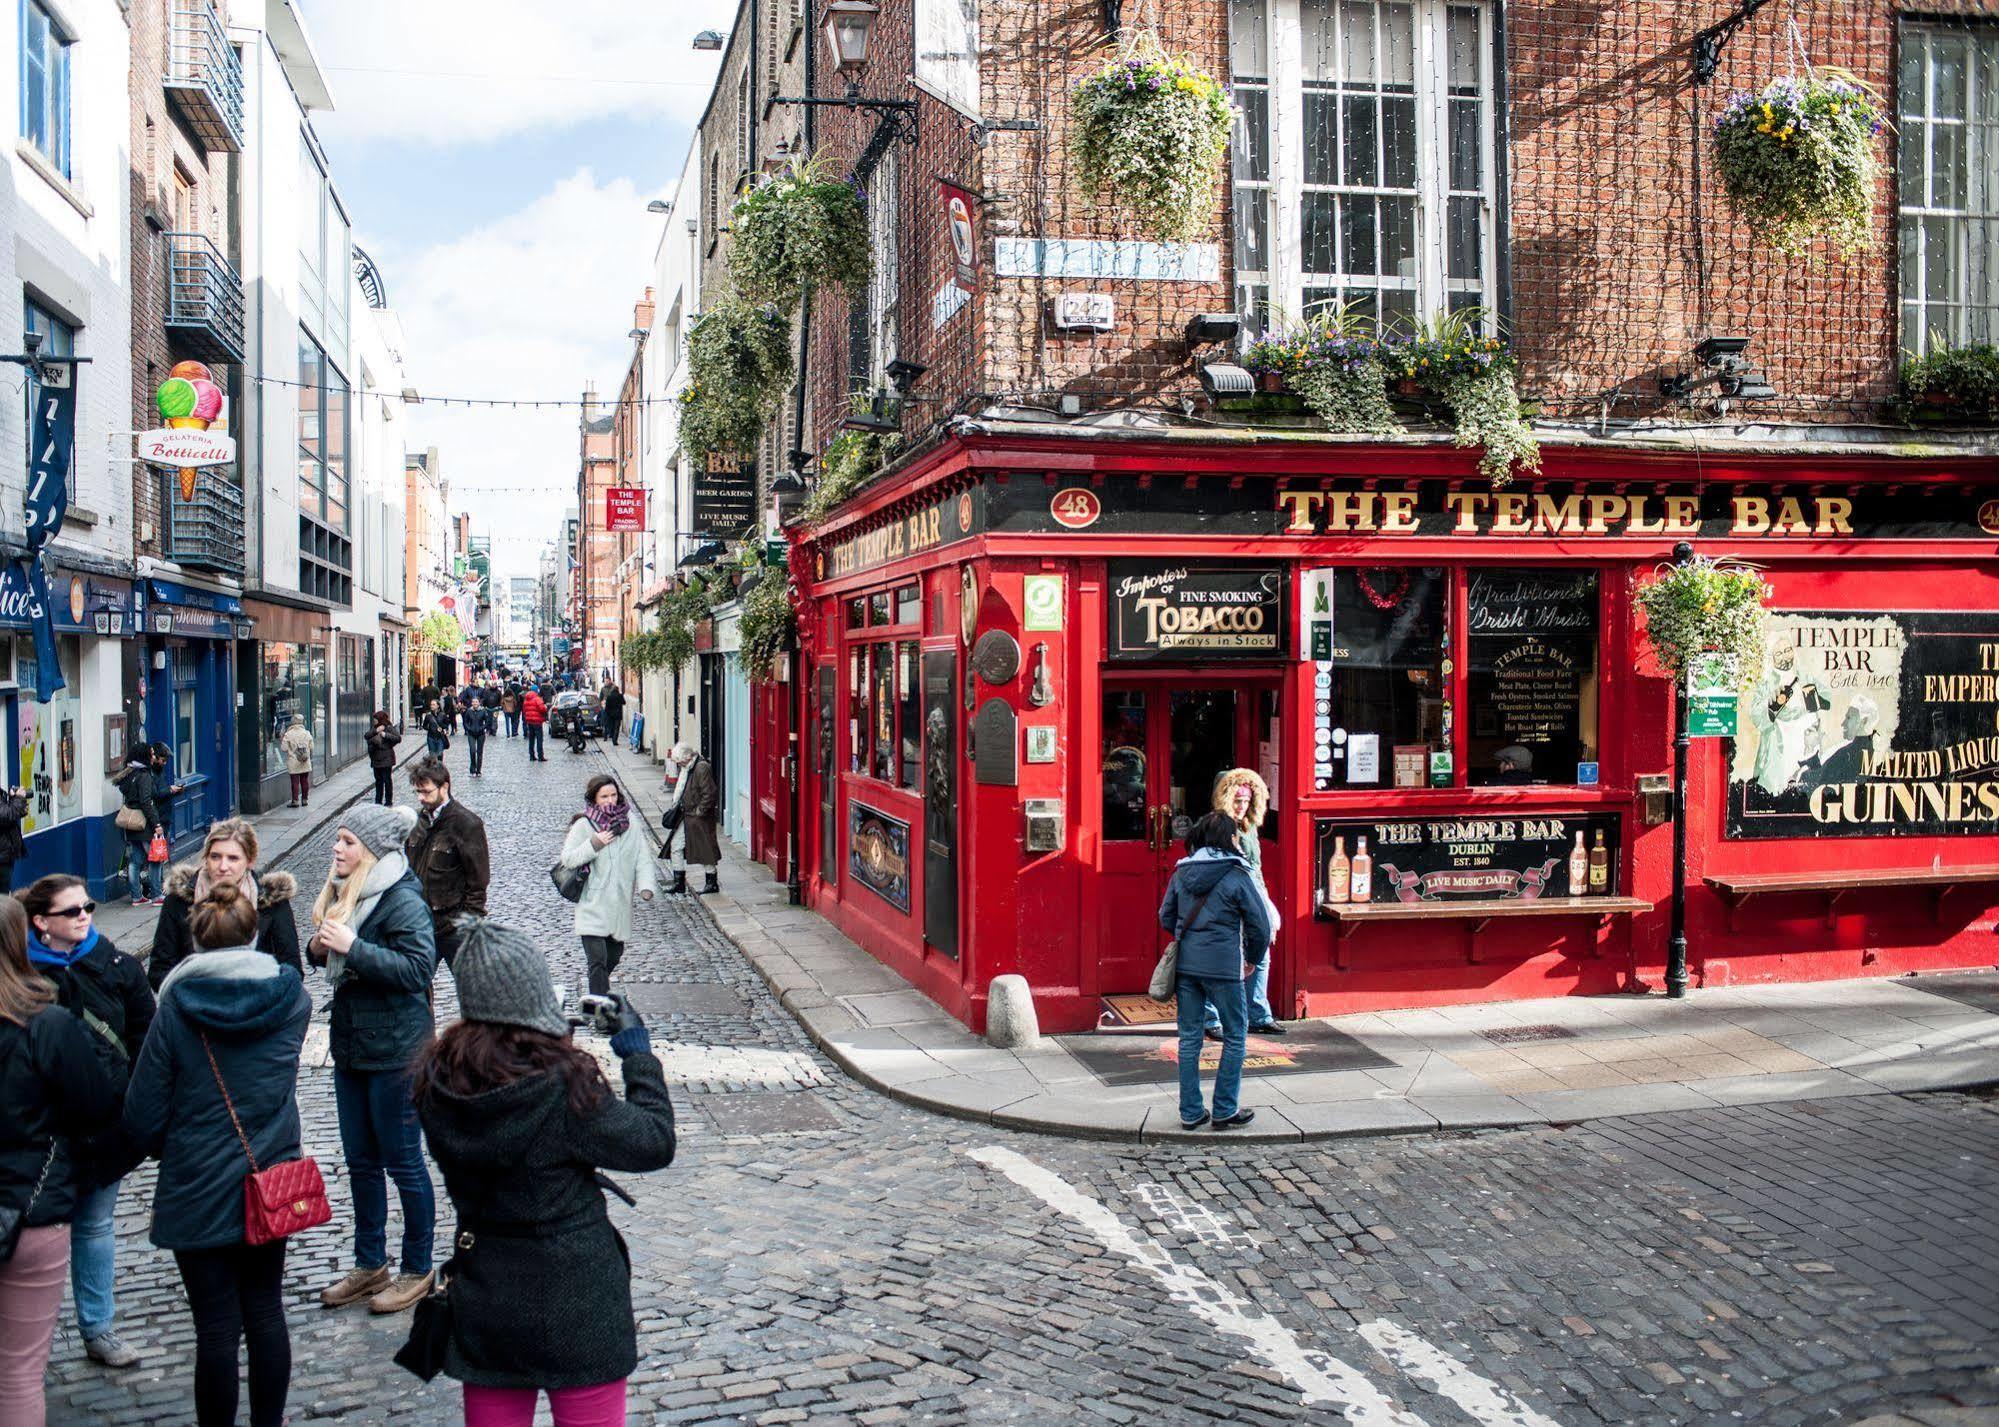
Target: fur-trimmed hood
273,888
1259,793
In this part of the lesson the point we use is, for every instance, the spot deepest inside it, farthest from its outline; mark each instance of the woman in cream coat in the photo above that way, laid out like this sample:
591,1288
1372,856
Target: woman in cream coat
621,863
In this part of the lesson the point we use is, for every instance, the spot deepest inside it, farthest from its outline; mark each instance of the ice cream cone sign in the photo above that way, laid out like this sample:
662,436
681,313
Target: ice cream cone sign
189,402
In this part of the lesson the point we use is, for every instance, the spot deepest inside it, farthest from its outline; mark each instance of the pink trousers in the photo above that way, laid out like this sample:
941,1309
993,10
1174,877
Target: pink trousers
599,1406
31,1285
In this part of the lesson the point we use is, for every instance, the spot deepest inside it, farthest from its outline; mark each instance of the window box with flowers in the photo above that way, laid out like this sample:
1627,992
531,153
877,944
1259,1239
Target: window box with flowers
1950,385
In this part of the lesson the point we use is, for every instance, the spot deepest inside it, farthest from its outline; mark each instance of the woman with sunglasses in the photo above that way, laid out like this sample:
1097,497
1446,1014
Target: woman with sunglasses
106,990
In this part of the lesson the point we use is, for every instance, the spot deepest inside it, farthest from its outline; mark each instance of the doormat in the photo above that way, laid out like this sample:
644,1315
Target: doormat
1522,1035
1311,1047
1123,1015
1976,989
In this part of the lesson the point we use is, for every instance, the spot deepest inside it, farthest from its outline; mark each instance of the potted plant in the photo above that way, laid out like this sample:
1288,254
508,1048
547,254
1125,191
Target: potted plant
1337,369
1702,607
796,230
1151,131
1950,384
739,367
1472,376
1800,160
850,461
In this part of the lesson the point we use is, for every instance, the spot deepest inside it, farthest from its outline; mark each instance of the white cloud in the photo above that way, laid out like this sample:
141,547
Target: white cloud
447,72
532,305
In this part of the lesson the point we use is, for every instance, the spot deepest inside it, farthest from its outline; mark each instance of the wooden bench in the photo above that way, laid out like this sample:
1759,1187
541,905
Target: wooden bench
1351,916
1739,887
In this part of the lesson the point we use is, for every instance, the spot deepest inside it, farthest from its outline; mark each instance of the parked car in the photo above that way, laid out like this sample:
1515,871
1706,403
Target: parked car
574,704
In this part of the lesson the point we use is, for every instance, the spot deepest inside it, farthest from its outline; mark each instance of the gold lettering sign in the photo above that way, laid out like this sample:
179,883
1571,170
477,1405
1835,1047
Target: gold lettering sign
934,525
1568,515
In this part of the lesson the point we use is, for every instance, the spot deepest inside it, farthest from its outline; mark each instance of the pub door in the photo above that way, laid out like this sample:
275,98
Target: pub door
1165,742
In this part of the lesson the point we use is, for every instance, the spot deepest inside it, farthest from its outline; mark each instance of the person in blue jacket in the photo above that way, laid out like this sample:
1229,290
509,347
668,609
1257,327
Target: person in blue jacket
223,1053
373,936
1215,908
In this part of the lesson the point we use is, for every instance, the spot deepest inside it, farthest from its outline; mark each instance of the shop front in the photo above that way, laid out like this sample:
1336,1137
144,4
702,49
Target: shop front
283,673
189,689
1026,664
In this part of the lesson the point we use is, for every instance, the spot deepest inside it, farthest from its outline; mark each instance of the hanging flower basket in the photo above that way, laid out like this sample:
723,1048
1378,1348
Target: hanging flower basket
1151,131
1800,161
1473,377
1706,607
739,367
768,623
796,231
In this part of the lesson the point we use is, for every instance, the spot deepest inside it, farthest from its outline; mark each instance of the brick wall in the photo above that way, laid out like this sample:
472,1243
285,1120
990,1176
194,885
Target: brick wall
160,145
1619,260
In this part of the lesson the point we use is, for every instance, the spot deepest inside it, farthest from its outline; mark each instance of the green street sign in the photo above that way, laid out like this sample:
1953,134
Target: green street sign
1712,699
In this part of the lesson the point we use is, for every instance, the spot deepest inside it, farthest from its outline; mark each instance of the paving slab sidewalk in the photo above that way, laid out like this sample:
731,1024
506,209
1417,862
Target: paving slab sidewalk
279,832
1511,1063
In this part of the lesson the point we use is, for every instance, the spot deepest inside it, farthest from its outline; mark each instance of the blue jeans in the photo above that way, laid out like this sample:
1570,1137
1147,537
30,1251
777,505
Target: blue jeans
379,1133
144,876
93,1243
1226,995
475,744
433,745
535,749
514,724
1258,986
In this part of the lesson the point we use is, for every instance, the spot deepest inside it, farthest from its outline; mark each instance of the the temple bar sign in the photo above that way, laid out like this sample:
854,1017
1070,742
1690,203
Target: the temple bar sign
1569,514
940,523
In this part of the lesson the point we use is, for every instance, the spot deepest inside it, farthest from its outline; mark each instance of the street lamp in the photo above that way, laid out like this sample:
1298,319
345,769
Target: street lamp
659,205
849,26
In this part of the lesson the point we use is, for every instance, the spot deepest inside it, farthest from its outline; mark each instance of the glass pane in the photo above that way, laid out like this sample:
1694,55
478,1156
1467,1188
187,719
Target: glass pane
857,710
1947,166
1124,765
1357,40
1940,272
1252,230
1464,49
1398,143
1909,166
1252,153
1360,162
910,685
908,604
1532,677
1909,75
1398,46
1398,238
1386,681
1315,24
1465,252
1248,39
1947,76
1322,140
884,712
878,608
857,613
1203,748
1465,146
1357,249
1316,217
1320,299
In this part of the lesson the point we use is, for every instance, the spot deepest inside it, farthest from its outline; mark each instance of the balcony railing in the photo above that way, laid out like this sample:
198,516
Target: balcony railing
205,533
204,77
204,299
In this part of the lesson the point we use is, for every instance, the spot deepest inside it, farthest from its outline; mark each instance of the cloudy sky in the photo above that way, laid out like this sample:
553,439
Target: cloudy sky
497,168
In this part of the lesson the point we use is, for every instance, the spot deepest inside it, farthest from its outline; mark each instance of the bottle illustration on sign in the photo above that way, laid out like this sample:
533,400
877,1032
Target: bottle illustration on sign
1599,865
1578,868
1362,882
1339,872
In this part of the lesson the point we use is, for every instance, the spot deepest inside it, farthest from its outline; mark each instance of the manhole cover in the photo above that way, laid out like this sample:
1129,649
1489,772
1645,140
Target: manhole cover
766,1113
684,998
1520,1035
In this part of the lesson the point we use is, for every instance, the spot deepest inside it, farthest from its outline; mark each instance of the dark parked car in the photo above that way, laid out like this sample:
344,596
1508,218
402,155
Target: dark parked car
574,704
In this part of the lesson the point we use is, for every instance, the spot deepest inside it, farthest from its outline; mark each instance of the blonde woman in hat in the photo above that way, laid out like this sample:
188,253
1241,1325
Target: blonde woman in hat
1242,794
372,933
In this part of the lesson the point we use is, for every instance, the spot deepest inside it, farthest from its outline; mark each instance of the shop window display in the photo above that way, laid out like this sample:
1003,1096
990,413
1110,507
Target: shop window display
1531,691
1380,700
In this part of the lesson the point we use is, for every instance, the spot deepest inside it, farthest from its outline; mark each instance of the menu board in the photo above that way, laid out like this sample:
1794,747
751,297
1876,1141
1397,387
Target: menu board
1469,858
1532,685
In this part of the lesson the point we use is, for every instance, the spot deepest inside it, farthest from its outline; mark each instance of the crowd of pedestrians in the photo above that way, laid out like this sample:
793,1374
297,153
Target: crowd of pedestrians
193,1059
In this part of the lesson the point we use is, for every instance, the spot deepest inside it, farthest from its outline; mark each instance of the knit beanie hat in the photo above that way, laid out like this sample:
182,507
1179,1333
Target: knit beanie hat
503,978
381,830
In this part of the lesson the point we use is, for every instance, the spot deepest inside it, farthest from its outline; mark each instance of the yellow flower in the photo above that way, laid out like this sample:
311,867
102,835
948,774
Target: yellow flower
1764,127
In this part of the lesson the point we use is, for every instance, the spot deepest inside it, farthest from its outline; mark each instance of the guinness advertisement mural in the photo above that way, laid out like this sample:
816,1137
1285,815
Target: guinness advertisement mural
1870,725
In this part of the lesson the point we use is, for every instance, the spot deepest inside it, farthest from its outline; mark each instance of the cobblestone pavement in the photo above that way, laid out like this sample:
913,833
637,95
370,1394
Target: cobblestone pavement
822,1253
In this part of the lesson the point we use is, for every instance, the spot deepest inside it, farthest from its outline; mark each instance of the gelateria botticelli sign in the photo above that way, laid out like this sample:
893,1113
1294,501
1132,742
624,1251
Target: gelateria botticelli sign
1870,725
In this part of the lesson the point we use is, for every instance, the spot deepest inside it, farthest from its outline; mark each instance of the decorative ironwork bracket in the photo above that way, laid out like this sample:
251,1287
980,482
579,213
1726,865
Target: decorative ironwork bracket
896,116
1709,43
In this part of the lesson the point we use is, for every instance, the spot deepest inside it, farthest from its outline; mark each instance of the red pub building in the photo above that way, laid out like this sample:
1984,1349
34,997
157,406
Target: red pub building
1084,589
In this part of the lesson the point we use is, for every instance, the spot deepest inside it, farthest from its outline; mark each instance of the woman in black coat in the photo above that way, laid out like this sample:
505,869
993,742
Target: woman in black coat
13,847
520,1120
382,740
57,1087
235,1003
228,855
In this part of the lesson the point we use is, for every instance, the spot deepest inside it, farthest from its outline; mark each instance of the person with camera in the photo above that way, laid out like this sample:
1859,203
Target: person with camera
106,989
602,839
13,847
214,1098
520,1121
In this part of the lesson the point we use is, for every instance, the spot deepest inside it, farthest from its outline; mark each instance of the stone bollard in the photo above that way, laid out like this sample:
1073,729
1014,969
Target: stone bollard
1010,1020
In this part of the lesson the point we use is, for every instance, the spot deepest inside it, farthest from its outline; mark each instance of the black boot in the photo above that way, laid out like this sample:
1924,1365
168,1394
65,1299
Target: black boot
679,887
711,885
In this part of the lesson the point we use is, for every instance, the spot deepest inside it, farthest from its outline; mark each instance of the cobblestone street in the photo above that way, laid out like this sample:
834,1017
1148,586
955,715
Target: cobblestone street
821,1252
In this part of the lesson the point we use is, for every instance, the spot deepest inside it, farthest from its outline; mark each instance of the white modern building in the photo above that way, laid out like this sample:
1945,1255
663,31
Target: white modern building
64,266
372,635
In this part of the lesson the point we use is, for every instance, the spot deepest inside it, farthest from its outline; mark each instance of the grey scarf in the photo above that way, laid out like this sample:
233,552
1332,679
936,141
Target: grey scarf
387,871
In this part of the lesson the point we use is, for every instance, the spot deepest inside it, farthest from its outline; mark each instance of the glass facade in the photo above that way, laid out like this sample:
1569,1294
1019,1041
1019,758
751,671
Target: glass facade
294,682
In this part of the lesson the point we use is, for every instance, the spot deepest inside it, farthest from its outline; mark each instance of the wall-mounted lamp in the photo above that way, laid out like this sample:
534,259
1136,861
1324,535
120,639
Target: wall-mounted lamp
659,205
849,29
1724,365
710,40
902,374
1226,379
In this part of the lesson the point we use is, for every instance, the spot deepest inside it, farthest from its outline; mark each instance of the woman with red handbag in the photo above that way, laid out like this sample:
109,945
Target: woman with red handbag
213,1095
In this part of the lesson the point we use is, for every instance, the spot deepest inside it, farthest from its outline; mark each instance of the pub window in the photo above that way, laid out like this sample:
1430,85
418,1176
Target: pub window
878,614
883,765
857,612
1947,95
884,716
1124,764
908,687
1364,168
908,605
1380,706
1531,676
857,708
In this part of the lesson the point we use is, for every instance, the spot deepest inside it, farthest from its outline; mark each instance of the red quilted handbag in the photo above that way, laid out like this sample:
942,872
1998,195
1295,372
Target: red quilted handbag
279,1201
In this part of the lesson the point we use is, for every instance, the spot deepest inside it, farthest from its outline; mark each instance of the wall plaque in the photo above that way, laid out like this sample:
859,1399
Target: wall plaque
996,761
878,853
996,657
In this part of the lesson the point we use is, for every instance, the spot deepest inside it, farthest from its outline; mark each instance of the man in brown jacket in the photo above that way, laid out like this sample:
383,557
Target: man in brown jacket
447,851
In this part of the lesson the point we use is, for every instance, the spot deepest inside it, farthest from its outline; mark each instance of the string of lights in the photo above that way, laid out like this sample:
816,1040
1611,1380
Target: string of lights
419,399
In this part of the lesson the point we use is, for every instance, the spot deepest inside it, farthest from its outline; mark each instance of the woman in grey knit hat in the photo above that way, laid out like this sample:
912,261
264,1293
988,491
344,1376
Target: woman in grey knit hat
520,1120
373,935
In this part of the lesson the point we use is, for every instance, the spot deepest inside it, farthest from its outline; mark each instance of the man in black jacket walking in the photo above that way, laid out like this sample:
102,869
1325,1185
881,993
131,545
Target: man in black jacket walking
611,703
447,851
478,720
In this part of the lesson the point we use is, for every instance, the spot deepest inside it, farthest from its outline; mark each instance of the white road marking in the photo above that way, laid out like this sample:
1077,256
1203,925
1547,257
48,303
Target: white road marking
1190,1220
1321,1377
1480,1397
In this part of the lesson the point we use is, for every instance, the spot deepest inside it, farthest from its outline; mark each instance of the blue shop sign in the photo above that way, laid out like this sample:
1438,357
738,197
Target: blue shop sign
83,604
182,611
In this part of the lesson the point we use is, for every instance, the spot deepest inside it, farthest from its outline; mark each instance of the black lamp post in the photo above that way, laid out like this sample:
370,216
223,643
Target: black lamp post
1676,947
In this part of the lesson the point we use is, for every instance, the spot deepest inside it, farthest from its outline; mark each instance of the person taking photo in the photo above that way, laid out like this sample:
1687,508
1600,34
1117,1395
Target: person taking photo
521,1120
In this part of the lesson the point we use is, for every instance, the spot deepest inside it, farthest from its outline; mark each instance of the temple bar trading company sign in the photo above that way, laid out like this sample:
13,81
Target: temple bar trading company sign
1207,611
1471,858
878,853
1870,725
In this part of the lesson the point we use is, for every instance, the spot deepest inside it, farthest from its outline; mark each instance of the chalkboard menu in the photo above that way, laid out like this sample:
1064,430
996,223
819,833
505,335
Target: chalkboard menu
1532,678
1448,859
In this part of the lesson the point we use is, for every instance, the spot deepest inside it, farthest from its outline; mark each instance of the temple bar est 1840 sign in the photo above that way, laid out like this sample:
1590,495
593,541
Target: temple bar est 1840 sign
1469,858
1206,612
